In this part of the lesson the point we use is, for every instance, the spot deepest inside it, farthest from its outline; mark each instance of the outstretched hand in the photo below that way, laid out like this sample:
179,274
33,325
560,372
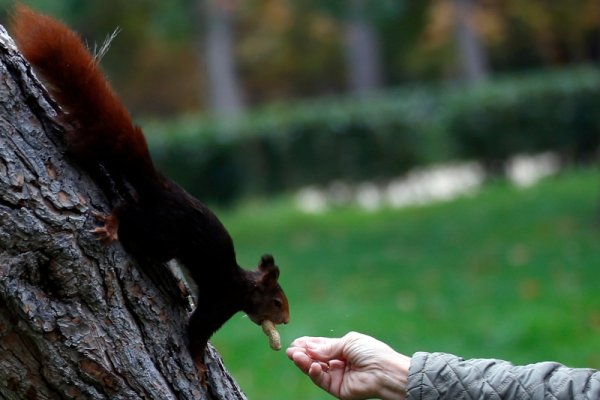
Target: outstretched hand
353,367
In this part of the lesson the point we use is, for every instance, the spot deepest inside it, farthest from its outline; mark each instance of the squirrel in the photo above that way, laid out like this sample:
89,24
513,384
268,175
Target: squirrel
155,219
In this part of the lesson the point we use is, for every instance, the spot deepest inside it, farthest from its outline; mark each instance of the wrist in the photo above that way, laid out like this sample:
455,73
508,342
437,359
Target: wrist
393,377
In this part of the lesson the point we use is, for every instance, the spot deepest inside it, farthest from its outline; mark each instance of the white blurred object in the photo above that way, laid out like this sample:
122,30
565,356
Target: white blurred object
425,185
436,183
311,200
525,170
368,196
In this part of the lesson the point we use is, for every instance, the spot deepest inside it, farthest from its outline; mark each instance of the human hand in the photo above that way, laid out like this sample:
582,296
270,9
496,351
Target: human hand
353,367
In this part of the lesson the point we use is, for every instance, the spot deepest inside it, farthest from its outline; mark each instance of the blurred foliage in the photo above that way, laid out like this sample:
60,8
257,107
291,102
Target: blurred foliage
291,50
528,115
516,35
293,47
152,62
283,147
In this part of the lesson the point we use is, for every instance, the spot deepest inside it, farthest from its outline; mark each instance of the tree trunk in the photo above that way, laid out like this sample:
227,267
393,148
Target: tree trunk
225,93
77,319
472,55
362,51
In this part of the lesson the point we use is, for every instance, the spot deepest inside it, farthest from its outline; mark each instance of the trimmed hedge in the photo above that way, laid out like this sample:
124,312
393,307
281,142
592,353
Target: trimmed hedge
287,146
554,111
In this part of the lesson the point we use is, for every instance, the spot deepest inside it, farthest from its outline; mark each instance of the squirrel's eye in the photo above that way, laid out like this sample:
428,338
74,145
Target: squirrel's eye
277,303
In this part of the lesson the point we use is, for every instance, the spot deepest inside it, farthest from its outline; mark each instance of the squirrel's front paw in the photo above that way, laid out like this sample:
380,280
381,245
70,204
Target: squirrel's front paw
108,232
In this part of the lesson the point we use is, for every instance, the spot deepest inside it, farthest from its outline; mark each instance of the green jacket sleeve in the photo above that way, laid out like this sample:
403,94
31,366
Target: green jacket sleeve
444,376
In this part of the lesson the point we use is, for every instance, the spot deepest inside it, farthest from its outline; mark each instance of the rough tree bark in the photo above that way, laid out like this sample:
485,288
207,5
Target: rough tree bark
78,320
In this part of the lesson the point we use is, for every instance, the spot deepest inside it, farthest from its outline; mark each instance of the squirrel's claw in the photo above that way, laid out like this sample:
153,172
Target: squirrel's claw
107,233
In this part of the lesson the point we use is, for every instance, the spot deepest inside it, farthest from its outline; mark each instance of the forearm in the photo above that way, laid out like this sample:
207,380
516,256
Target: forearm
444,376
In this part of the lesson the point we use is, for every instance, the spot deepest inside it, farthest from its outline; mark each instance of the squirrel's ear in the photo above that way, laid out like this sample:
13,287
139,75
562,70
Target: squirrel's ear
269,271
267,262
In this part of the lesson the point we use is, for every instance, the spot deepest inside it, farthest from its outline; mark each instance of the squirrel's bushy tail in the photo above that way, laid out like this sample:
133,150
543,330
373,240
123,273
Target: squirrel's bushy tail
99,128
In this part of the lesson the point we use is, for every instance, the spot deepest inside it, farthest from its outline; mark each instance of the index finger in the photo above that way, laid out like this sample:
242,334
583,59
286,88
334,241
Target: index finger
302,341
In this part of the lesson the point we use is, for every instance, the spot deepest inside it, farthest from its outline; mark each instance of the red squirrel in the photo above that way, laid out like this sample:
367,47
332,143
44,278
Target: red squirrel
155,219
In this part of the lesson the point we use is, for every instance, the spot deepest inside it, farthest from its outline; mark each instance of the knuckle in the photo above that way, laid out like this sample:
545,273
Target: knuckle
352,336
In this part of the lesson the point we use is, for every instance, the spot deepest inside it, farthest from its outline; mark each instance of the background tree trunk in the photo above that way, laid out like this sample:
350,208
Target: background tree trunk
363,57
224,88
473,58
77,319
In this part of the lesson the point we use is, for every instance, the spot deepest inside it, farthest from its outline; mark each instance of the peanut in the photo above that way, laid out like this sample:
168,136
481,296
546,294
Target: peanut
269,329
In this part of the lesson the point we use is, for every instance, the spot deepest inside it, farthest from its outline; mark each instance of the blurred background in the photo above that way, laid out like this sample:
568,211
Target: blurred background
423,171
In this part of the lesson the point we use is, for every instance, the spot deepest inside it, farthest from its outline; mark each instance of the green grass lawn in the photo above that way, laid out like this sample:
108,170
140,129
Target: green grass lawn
509,273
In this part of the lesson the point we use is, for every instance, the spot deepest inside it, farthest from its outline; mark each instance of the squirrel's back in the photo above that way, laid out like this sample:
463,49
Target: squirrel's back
99,127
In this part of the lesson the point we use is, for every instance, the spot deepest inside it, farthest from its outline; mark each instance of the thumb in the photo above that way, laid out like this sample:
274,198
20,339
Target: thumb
325,349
